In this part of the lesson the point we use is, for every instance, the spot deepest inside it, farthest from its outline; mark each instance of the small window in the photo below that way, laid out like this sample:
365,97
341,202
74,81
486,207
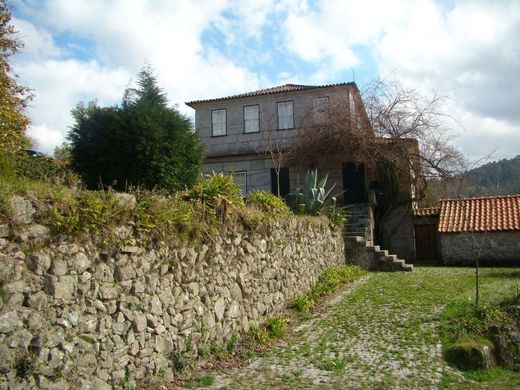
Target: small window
218,122
251,119
240,179
285,115
320,108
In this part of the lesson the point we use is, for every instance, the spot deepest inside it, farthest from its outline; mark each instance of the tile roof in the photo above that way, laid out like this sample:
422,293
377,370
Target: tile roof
270,91
426,211
494,213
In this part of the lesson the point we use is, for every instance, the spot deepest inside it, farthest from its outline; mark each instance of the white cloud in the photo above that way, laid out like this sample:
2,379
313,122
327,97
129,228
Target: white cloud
468,52
466,49
46,139
58,86
123,34
38,43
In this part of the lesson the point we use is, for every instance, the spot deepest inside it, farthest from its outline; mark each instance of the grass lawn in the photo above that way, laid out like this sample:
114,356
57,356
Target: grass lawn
385,332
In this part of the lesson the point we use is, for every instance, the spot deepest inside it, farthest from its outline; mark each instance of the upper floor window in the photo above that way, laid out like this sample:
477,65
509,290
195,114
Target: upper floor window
218,122
285,115
251,119
320,108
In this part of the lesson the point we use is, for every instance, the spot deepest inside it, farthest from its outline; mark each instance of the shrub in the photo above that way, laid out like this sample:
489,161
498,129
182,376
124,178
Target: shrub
276,326
216,192
259,335
45,169
142,142
302,304
158,216
269,203
83,211
337,215
7,167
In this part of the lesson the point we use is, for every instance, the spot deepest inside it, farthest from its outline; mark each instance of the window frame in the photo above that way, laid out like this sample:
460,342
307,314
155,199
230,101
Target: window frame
257,119
225,123
278,115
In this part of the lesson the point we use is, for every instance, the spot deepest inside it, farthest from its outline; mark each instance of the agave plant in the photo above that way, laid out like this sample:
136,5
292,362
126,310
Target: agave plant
313,196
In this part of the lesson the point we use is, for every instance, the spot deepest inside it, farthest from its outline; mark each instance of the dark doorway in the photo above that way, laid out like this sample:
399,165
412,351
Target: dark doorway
284,182
354,183
426,243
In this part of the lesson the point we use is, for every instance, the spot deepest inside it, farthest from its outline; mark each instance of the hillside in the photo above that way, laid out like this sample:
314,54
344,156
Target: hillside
495,178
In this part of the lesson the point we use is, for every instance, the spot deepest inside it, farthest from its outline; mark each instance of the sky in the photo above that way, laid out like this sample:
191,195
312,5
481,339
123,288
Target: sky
91,50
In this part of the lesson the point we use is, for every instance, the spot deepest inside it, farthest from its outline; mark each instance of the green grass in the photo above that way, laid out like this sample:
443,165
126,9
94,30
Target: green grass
387,333
327,283
204,381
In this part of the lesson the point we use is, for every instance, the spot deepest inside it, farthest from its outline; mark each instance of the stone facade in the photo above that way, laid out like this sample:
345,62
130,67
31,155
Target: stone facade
497,248
238,151
74,315
237,142
244,154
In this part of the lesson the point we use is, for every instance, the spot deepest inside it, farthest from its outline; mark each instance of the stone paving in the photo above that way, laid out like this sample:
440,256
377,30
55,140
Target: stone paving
380,333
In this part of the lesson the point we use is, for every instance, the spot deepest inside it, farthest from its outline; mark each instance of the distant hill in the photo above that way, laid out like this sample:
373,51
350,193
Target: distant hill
495,178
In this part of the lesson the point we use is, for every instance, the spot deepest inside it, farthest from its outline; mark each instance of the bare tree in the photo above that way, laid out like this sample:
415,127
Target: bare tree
397,112
398,132
274,142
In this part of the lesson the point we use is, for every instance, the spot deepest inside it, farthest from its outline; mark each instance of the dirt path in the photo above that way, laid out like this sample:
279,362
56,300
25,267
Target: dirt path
381,333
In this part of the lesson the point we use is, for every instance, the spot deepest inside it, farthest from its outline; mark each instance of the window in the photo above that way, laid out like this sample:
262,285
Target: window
251,119
285,115
320,109
218,122
240,179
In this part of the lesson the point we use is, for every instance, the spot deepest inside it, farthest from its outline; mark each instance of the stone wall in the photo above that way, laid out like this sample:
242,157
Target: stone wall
73,315
497,248
398,233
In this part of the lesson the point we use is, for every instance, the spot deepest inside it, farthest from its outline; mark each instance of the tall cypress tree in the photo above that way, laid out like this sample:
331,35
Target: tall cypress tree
142,143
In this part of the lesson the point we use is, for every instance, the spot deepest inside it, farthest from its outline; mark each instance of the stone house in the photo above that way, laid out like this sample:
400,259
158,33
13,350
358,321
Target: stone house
487,226
246,135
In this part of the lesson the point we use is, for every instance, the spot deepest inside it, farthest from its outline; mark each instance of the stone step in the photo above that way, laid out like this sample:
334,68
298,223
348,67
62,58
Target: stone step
355,229
382,260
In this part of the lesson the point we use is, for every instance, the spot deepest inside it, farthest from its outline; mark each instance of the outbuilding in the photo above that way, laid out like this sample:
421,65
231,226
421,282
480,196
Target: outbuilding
487,228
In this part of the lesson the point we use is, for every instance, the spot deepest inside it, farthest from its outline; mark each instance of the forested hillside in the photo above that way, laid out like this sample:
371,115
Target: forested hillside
495,178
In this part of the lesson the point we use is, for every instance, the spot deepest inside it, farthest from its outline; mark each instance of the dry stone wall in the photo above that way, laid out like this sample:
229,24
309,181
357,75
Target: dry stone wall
73,315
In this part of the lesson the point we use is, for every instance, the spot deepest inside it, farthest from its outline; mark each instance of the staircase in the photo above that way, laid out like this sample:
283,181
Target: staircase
372,257
360,222
359,248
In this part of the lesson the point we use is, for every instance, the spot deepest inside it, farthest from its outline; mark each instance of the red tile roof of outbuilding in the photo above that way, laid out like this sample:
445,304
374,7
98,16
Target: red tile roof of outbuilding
426,211
494,213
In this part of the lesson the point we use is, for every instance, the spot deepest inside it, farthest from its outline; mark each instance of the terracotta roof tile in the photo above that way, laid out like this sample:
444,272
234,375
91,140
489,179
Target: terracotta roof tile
426,211
494,213
269,91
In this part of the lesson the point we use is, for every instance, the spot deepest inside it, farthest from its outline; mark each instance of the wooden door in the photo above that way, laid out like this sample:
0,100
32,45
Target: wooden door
426,243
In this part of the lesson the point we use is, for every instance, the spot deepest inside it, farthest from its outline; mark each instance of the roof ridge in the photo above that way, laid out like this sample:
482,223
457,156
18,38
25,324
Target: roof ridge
272,90
481,197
